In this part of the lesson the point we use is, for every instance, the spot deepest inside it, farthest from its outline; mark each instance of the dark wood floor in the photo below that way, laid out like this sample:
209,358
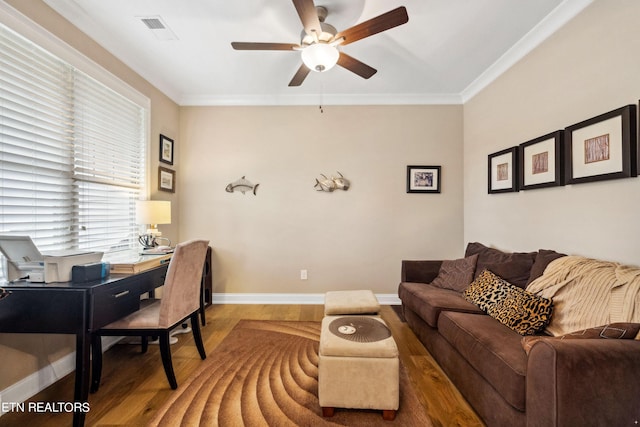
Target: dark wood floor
134,384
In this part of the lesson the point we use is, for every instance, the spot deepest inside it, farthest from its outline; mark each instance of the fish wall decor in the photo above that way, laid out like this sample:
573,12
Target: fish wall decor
242,185
333,183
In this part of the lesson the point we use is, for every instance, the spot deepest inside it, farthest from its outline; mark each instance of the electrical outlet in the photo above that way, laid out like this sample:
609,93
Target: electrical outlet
303,274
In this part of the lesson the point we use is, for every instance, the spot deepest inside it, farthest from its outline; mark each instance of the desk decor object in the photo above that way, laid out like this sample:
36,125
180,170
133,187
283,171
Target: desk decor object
541,161
603,147
503,171
423,179
166,150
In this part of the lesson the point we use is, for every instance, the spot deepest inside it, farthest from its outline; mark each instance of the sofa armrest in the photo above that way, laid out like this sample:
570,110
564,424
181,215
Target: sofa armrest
420,271
592,382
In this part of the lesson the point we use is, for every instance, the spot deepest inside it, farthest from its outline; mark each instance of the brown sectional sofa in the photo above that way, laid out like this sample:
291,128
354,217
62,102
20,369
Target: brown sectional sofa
583,382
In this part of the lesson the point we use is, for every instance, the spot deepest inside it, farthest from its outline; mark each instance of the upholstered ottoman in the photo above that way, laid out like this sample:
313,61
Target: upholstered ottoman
350,302
358,365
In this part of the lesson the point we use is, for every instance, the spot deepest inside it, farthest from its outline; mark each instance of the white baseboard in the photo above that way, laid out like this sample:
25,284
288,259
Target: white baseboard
43,378
384,299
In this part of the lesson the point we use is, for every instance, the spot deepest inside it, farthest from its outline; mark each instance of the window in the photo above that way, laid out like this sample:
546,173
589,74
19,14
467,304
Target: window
72,152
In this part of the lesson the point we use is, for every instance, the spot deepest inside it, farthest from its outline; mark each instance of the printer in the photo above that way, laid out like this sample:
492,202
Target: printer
24,260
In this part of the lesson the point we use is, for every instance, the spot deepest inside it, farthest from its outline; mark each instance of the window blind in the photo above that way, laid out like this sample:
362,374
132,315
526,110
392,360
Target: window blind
72,152
35,172
109,154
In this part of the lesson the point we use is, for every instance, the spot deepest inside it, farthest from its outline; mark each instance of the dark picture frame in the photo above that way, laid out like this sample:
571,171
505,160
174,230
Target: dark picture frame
423,179
166,150
541,161
503,171
603,147
166,180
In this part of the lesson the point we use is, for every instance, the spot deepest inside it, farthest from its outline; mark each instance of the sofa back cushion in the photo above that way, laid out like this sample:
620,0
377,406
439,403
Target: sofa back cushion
456,274
514,267
543,258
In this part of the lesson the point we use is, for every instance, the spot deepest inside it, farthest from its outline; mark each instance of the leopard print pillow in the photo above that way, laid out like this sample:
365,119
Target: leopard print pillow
512,306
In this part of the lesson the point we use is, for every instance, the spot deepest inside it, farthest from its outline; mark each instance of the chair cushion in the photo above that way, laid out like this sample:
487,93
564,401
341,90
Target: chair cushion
146,318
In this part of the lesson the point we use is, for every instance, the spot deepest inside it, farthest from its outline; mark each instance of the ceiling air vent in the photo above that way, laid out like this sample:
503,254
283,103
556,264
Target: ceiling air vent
158,27
153,23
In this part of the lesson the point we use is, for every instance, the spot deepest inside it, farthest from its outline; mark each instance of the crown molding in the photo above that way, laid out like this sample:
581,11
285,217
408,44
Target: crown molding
560,16
326,99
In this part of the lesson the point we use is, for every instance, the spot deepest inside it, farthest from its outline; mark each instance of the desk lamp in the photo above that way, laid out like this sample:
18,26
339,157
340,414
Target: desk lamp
152,213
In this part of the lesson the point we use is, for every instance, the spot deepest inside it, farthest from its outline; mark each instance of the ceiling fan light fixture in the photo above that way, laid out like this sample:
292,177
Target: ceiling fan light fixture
320,57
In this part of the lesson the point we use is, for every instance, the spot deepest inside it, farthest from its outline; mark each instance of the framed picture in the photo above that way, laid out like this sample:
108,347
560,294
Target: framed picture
503,171
166,149
541,162
166,180
603,147
423,179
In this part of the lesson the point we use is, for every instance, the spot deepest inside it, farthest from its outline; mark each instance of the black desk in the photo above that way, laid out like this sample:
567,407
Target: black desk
80,309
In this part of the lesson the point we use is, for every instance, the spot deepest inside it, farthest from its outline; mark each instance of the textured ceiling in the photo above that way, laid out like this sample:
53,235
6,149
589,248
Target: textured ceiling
447,51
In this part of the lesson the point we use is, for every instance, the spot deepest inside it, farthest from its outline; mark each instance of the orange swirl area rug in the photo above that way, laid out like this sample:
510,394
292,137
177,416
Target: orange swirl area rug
265,373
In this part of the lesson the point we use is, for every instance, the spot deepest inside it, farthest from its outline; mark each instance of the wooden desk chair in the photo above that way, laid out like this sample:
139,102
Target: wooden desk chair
157,317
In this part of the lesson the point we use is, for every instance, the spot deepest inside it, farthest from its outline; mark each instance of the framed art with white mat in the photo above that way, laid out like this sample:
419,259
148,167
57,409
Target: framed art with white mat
541,161
423,179
603,147
503,171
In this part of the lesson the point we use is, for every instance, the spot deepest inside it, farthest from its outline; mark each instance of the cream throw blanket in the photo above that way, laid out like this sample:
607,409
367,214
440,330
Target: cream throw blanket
587,293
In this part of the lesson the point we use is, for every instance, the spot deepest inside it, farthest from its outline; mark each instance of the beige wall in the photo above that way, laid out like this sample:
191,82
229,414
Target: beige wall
589,67
346,240
21,354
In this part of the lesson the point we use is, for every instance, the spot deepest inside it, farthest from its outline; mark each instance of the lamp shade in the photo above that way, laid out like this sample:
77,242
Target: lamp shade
153,212
320,56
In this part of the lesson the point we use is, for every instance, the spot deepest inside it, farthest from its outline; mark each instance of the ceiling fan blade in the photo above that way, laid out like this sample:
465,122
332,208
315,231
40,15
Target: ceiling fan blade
263,46
300,75
309,16
375,25
355,66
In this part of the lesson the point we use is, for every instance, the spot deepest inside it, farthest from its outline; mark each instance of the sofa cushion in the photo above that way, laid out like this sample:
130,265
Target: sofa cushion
456,274
512,306
428,301
543,258
514,267
492,349
621,330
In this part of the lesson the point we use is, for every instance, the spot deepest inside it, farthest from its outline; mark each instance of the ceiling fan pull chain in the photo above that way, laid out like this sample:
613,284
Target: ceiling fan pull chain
321,94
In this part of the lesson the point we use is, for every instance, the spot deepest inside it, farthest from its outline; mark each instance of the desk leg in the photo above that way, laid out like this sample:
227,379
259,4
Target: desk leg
81,393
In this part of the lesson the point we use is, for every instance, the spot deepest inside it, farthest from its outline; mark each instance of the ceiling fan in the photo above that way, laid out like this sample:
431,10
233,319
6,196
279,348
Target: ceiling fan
320,41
